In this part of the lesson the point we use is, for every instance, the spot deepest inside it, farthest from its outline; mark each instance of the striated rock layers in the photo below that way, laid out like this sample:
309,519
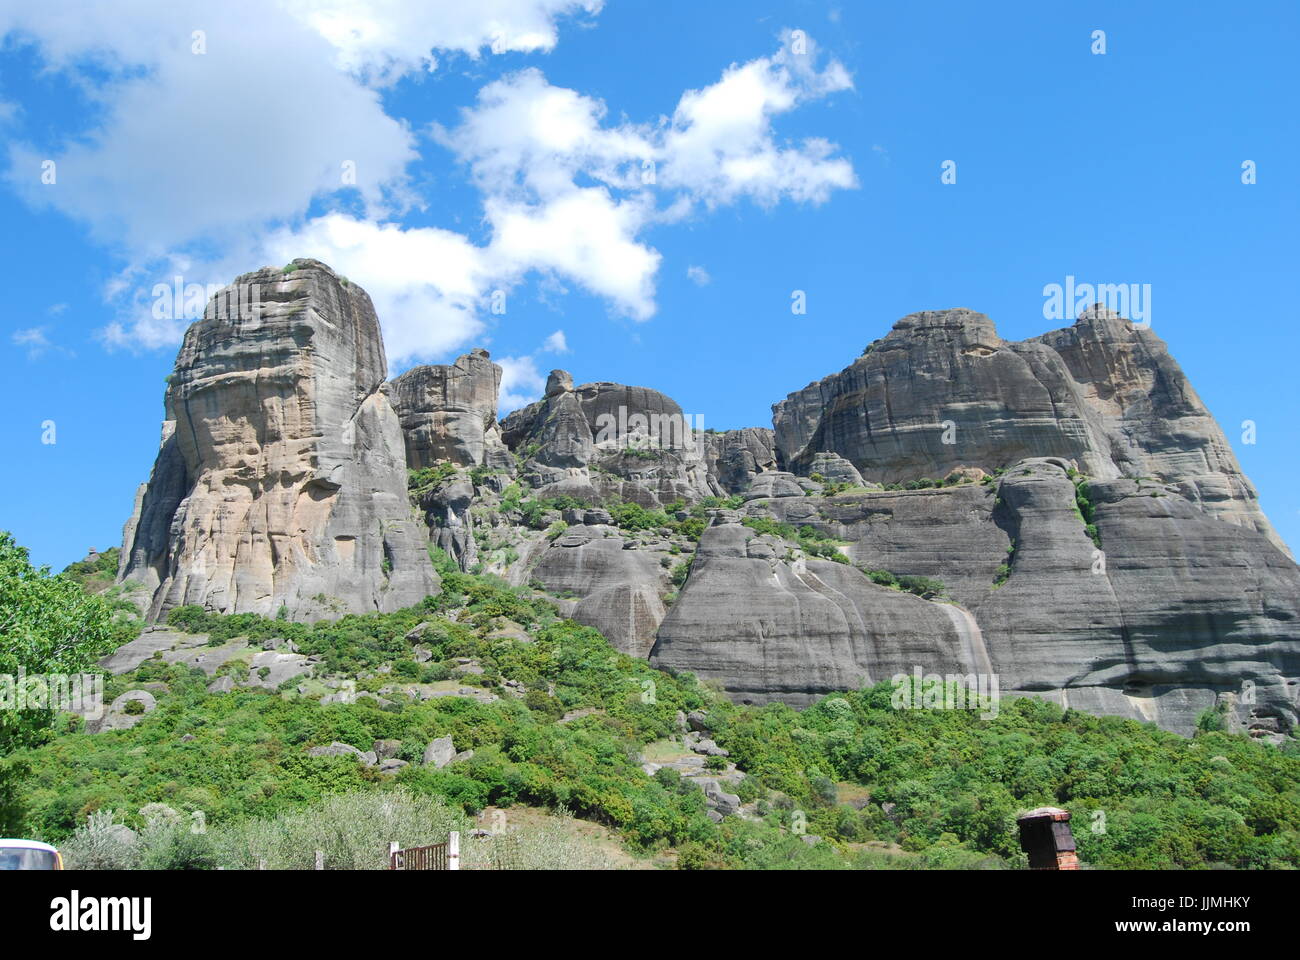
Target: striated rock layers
1173,612
602,440
1093,540
281,479
450,413
942,390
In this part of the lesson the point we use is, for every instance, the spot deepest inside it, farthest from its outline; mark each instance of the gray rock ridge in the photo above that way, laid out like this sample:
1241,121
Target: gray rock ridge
735,457
770,628
449,412
1173,613
942,390
280,481
601,440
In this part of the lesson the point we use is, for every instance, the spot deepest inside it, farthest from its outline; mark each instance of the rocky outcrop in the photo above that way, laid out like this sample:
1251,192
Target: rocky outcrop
450,413
942,390
1171,613
608,440
280,482
735,457
771,626
618,582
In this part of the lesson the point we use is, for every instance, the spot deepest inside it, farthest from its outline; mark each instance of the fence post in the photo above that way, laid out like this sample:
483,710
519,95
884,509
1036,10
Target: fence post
392,852
320,859
453,850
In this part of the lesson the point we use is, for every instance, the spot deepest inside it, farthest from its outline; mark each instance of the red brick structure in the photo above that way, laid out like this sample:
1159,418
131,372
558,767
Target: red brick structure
1046,838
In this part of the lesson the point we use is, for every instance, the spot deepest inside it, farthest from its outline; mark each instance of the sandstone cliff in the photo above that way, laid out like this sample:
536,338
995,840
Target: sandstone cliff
942,390
450,413
280,482
601,440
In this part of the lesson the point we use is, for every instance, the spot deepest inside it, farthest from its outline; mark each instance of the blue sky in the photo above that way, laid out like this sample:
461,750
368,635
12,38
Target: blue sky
819,173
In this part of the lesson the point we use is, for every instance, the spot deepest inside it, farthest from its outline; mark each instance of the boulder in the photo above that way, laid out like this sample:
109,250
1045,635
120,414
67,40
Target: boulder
439,753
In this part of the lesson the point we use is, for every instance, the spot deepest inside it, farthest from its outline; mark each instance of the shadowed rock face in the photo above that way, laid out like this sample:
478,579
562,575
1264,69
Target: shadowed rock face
770,629
281,477
590,442
737,456
943,390
1174,612
450,413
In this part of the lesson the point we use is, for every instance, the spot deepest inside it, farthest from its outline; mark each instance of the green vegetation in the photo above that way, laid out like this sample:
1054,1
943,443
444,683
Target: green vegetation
810,540
419,482
930,788
924,587
1084,511
1140,797
49,625
95,576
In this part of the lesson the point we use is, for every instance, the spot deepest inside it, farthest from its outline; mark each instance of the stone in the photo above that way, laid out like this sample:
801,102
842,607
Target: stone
335,749
392,765
439,753
609,440
1104,393
119,716
449,413
735,457
619,590
386,749
280,481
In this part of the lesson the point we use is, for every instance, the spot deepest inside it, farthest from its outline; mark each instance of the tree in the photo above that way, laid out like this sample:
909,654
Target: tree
48,625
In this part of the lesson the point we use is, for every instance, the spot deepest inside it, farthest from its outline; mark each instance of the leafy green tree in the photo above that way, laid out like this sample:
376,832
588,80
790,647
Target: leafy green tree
48,624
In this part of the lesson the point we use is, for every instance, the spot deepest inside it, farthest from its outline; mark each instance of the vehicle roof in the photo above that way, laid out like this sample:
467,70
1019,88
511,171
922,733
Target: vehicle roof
26,845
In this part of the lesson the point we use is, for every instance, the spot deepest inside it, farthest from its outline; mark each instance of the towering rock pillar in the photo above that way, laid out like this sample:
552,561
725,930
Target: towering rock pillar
281,479
449,412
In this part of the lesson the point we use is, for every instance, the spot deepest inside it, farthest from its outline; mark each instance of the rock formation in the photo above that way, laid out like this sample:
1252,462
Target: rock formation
942,390
450,413
1174,612
281,479
1064,511
602,440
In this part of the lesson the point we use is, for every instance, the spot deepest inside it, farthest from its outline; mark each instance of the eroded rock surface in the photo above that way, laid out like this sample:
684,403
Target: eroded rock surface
449,412
602,440
942,390
281,477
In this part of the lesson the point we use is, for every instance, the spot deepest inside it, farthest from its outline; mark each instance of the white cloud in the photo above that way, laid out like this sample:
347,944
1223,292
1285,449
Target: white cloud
383,40
698,276
556,343
521,383
721,146
225,152
36,342
203,147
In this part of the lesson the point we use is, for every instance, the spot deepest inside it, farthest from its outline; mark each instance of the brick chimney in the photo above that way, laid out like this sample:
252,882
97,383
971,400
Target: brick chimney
1045,836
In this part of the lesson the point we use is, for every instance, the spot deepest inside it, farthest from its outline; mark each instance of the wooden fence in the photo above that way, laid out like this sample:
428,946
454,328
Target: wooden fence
438,856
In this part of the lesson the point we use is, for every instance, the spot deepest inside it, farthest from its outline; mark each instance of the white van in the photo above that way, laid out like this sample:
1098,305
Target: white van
29,855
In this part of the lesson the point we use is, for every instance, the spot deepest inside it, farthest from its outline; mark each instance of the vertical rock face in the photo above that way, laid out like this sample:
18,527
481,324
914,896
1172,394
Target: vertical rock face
281,477
942,390
769,628
737,456
450,413
600,440
1173,613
